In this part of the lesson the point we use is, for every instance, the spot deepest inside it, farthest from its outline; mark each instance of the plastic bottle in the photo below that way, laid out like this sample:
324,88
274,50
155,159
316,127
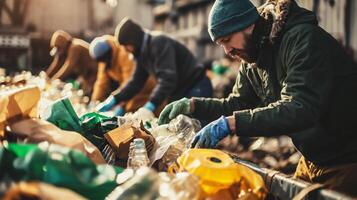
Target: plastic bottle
138,156
130,155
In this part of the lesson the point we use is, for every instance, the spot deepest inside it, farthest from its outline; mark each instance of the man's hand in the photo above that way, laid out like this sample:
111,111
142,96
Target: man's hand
119,111
106,105
210,135
182,106
150,106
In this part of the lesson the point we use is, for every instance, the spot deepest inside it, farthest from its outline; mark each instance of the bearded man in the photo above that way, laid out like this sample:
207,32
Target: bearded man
295,80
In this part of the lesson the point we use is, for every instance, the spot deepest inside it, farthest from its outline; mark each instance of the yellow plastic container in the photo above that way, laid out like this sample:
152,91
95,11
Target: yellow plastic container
217,171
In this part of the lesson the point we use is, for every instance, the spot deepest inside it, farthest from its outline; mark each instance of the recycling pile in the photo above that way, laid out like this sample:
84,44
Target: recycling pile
277,153
54,146
50,90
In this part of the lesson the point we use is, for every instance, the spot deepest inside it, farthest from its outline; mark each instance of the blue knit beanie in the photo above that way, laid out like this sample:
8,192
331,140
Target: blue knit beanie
99,47
230,16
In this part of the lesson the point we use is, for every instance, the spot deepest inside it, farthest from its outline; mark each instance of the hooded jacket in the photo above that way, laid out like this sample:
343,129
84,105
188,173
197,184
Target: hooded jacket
120,70
75,61
303,85
172,64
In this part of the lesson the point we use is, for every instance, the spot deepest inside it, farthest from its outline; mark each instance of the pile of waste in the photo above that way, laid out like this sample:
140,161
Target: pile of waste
52,143
277,153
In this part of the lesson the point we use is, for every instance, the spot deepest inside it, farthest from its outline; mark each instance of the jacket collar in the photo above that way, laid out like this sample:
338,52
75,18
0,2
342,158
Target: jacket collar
275,13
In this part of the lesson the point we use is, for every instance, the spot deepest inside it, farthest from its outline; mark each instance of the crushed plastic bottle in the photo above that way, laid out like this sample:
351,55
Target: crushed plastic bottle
182,128
185,129
138,156
173,139
162,131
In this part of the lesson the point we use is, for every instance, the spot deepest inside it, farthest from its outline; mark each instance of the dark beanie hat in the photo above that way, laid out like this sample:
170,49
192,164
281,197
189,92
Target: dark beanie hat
230,16
129,33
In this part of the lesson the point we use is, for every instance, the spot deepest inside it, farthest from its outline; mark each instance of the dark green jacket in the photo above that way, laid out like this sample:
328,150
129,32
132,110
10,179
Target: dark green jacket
303,85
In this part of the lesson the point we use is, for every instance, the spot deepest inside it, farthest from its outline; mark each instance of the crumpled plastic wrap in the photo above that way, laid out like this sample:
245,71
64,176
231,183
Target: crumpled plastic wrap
172,140
148,184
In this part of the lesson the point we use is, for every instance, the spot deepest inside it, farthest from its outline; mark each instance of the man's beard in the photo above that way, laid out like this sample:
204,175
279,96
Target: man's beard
250,51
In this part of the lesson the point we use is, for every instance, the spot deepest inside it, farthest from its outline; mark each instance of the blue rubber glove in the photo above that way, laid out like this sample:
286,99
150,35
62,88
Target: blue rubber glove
210,135
119,111
107,104
150,106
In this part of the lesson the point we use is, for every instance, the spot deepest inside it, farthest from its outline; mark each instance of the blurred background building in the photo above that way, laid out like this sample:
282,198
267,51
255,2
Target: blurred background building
26,25
187,21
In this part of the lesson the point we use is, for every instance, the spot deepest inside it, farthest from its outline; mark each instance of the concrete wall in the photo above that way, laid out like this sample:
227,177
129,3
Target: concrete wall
75,16
190,28
135,9
331,18
81,16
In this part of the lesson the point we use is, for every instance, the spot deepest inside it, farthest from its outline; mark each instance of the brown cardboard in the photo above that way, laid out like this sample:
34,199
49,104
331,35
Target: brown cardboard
17,104
121,137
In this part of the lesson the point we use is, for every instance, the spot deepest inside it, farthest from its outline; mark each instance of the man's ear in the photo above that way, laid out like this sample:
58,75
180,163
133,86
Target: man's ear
250,28
130,48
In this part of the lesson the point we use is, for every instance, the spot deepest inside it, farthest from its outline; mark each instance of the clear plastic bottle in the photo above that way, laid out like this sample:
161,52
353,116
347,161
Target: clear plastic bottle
130,155
138,156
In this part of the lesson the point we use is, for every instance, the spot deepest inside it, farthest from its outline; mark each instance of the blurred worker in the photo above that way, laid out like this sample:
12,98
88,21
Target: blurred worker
116,64
295,80
72,60
177,72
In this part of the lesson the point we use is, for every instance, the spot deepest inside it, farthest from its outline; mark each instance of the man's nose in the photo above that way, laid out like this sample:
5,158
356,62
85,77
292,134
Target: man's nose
227,49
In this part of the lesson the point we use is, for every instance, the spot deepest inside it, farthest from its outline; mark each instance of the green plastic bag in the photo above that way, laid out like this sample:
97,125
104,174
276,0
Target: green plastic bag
92,125
59,166
96,125
62,114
